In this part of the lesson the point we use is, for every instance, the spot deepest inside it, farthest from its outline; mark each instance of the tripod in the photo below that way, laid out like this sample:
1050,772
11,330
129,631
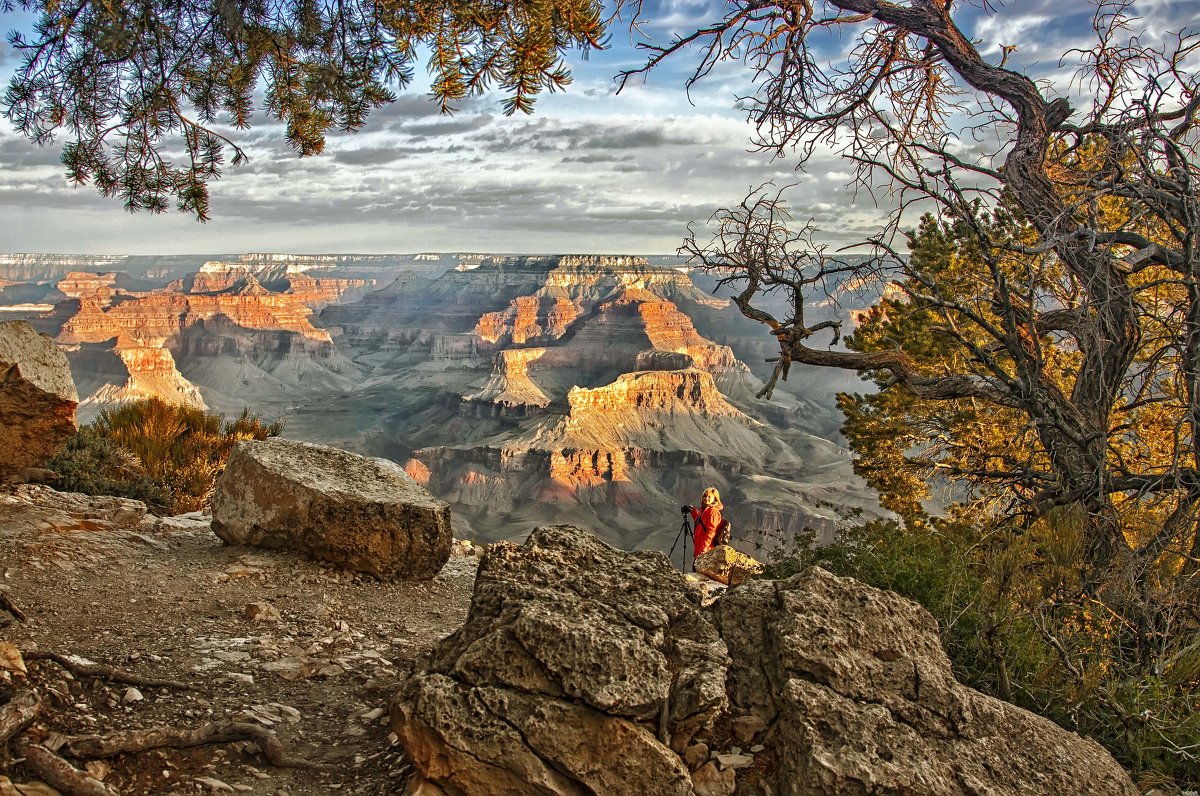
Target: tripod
685,533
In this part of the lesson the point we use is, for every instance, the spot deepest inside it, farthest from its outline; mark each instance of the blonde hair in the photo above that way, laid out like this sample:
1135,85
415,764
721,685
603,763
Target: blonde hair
716,496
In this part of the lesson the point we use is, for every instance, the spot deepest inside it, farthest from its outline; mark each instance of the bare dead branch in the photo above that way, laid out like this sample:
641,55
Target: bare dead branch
18,712
81,668
59,774
99,746
7,604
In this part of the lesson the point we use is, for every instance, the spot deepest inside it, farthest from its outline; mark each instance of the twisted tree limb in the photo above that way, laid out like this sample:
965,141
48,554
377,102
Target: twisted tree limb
61,775
16,714
81,668
7,604
97,746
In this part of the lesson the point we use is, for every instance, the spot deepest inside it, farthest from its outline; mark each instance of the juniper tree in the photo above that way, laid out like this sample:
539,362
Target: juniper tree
1103,263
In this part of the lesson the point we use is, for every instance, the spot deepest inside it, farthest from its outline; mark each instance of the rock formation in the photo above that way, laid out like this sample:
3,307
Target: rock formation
288,276
120,370
578,388
33,509
37,398
359,513
575,665
583,670
232,334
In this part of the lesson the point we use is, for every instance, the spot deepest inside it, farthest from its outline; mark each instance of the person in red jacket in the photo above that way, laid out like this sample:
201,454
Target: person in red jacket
707,519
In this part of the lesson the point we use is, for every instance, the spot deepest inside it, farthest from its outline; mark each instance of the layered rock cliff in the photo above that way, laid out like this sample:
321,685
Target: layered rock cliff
116,371
287,276
125,345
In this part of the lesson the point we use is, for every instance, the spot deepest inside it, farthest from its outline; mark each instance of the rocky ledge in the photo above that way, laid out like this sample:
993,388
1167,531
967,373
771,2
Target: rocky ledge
584,670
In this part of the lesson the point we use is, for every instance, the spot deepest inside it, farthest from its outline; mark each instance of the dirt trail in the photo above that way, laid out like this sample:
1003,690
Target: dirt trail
169,600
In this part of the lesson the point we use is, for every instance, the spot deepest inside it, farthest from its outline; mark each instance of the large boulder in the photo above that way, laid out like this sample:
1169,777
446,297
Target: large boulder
37,398
584,670
855,695
580,670
356,512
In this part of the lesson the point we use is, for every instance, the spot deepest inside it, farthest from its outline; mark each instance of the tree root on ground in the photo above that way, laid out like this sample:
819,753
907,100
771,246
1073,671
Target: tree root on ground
96,746
41,759
7,604
59,774
18,712
80,668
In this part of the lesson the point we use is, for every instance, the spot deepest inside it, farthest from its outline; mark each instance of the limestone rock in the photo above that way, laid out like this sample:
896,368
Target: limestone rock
709,780
37,398
584,670
860,698
568,641
33,508
356,512
726,565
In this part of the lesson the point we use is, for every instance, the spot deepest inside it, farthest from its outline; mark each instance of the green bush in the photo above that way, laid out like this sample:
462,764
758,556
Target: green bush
166,455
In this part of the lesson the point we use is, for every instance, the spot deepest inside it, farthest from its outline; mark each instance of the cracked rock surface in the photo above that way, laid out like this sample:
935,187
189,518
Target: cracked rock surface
37,398
585,670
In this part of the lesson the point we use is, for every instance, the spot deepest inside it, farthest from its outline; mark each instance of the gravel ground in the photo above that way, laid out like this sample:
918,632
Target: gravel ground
264,637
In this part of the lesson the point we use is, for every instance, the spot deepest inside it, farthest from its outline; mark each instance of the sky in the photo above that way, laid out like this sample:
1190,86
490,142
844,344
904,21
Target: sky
590,171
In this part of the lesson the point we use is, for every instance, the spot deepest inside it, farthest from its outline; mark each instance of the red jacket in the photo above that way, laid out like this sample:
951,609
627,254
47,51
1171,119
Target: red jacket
707,521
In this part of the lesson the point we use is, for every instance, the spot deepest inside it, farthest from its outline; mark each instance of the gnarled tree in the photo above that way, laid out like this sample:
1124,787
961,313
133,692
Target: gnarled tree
1101,267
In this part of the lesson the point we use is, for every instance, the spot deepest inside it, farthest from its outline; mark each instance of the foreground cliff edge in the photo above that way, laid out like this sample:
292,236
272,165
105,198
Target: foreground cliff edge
562,667
582,669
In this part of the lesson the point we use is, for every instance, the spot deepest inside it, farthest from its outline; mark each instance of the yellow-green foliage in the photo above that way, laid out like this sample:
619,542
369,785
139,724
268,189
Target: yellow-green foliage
168,455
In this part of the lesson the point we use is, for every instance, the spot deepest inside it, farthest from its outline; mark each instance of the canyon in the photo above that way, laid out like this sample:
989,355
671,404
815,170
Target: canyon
603,391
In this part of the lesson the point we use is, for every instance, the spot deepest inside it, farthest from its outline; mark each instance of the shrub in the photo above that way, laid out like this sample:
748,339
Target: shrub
167,455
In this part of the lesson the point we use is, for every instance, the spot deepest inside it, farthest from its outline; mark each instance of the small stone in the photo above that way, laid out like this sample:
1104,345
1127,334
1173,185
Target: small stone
215,785
708,780
132,695
97,769
747,728
695,755
734,761
372,715
262,612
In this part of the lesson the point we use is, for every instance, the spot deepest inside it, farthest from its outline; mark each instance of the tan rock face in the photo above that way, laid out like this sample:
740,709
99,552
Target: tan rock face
359,513
571,655
686,391
510,383
100,288
127,372
859,697
37,398
285,277
155,319
584,670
